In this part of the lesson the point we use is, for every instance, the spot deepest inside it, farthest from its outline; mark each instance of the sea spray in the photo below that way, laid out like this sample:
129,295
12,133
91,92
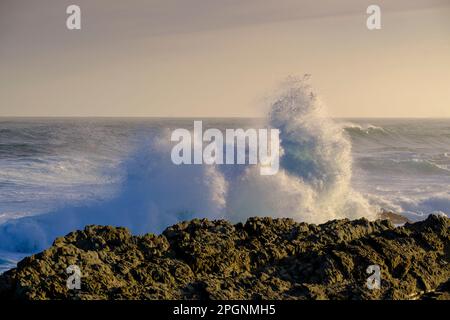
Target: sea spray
314,182
312,185
252,146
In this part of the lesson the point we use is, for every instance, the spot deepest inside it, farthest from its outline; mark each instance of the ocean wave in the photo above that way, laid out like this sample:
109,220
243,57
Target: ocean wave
363,129
8,260
64,163
414,207
407,167
313,183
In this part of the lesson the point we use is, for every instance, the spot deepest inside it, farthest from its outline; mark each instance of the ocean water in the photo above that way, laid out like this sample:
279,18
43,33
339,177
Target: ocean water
402,165
58,175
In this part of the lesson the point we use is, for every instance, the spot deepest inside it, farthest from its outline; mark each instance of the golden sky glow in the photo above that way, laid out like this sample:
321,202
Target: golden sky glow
222,58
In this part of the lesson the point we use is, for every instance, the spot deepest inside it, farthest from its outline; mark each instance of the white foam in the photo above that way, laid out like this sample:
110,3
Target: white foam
313,183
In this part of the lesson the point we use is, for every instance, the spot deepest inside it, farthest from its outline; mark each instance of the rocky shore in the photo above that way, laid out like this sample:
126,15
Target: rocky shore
262,259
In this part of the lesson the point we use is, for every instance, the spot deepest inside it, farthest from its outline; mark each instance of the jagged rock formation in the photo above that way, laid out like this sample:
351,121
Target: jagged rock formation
262,259
393,217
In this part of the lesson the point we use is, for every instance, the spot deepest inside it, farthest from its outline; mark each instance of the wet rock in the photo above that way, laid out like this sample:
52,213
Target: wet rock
264,258
393,217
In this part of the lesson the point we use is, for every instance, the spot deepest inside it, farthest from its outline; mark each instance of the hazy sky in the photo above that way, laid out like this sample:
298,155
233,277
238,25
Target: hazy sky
222,57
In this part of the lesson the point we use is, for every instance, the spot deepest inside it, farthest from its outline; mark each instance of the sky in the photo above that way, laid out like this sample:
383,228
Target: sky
222,58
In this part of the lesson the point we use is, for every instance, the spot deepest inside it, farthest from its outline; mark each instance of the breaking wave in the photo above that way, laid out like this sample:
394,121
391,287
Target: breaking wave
363,129
312,185
405,167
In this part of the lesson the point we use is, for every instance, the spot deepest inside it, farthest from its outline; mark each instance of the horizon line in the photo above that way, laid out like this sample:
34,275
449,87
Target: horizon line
202,117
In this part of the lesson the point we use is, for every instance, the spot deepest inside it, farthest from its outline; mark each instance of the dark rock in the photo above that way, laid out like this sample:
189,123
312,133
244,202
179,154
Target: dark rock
264,258
393,217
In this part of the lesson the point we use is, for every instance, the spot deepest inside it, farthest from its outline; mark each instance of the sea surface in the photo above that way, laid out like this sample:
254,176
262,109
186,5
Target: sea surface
61,174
